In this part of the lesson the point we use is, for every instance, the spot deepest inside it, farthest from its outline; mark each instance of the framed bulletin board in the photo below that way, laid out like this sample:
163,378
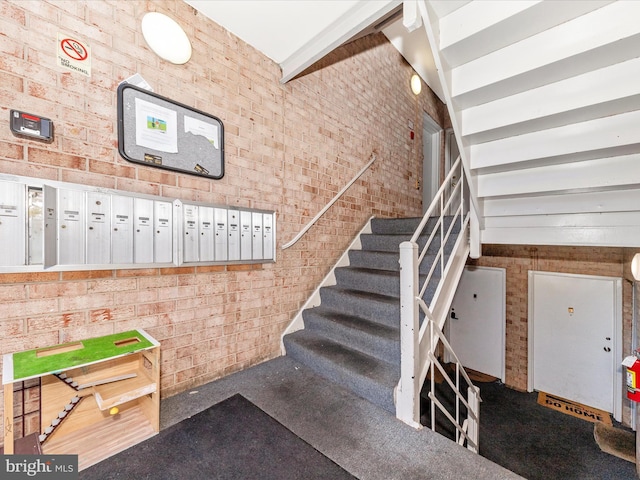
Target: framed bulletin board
158,132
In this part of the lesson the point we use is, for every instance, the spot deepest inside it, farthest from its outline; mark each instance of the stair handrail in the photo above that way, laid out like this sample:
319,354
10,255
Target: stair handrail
330,204
419,343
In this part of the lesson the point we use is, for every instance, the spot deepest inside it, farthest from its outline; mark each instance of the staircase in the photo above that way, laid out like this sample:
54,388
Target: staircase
544,99
353,336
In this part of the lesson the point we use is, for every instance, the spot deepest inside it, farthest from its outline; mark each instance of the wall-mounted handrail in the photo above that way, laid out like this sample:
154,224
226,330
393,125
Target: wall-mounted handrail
328,205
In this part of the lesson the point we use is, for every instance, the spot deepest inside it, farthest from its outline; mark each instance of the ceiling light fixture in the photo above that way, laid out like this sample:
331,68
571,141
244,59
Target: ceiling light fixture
416,84
166,38
635,267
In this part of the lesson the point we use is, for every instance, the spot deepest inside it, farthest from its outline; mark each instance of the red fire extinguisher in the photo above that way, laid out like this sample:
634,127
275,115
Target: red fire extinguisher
633,377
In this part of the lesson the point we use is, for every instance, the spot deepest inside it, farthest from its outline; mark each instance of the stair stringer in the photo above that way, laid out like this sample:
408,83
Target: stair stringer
314,299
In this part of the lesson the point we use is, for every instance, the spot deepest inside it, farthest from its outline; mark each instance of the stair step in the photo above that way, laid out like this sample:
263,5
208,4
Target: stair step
382,309
379,282
363,374
373,338
395,226
384,260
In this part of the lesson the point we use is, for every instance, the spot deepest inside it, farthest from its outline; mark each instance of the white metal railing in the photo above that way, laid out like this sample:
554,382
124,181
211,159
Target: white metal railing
328,205
420,343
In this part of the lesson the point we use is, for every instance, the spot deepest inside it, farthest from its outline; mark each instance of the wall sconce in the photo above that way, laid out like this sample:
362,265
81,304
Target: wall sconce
635,267
166,38
416,84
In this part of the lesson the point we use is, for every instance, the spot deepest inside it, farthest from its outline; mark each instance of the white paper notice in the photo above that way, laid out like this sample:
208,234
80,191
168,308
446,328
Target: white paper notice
198,127
156,127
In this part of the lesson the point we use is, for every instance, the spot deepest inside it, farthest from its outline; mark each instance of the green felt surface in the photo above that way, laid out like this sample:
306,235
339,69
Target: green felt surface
27,364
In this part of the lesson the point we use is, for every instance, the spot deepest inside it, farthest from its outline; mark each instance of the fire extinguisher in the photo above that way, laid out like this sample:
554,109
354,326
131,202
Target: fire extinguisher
633,376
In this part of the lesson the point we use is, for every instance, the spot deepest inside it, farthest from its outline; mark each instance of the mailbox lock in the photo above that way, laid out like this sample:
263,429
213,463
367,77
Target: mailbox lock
115,229
90,228
63,226
98,202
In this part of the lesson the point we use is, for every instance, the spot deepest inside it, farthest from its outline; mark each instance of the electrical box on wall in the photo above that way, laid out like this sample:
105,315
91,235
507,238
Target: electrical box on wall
62,226
29,125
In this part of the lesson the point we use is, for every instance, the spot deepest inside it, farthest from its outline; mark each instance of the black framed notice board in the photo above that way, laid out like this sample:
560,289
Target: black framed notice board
158,132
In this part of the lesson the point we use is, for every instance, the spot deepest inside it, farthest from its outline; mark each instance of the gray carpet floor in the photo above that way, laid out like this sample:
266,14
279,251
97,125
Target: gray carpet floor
362,438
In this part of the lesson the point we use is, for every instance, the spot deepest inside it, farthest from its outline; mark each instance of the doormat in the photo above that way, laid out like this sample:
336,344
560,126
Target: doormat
616,441
574,409
232,440
480,377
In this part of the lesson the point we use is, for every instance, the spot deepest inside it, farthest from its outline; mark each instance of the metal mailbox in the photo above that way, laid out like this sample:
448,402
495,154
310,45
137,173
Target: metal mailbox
206,237
98,234
143,230
221,234
13,239
121,229
162,232
233,225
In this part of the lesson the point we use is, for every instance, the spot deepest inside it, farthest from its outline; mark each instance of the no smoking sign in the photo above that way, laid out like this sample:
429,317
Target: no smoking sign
74,54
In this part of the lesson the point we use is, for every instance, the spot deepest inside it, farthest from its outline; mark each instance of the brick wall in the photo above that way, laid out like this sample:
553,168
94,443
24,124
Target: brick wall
289,148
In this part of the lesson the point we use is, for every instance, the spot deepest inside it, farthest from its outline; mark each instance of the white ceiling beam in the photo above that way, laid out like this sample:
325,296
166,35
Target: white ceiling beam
360,16
603,92
480,28
603,37
568,141
601,173
582,202
613,236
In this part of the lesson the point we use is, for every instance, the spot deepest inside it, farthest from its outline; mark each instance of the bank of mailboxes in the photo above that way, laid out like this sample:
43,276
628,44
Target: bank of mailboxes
55,226
216,234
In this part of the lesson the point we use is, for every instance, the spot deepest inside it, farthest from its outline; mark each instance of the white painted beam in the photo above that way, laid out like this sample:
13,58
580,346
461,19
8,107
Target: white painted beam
360,16
582,202
602,37
559,144
607,91
610,172
614,236
480,28
577,220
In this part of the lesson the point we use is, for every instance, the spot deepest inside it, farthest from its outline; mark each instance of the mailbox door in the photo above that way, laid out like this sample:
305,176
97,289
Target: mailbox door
143,230
13,239
190,233
98,228
221,234
121,229
206,234
162,232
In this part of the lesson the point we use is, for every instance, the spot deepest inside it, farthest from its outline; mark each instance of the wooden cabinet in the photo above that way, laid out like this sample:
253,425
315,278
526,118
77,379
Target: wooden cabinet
98,396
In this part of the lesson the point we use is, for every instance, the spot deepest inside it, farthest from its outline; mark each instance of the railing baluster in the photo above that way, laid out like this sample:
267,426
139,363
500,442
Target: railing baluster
412,302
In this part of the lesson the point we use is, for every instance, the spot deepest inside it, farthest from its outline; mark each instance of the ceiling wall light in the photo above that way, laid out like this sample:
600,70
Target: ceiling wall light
416,84
635,267
166,38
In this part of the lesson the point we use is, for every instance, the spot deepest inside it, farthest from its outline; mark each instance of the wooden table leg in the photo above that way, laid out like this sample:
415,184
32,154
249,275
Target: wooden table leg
8,419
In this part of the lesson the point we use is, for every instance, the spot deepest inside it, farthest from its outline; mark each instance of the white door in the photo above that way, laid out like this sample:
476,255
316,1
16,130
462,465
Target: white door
575,335
477,321
431,132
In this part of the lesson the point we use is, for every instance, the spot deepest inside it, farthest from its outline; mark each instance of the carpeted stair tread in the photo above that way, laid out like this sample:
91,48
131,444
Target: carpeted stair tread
353,336
384,260
381,308
405,225
381,282
365,375
373,338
